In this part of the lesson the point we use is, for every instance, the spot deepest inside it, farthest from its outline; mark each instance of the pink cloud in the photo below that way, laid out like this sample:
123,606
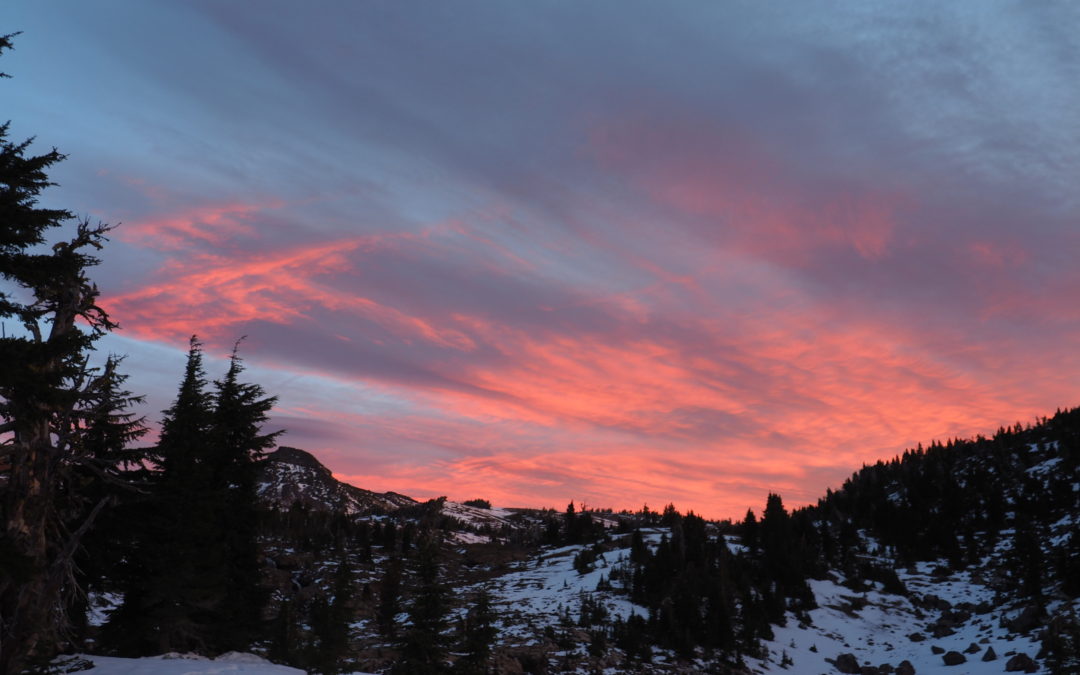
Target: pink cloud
750,198
613,397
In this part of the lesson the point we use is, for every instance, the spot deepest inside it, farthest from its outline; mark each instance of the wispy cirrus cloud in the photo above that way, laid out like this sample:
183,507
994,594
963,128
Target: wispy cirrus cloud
610,253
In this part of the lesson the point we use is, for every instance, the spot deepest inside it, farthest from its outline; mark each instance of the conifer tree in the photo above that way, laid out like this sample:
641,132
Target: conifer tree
477,636
423,650
238,444
194,581
44,382
113,474
169,578
390,598
330,617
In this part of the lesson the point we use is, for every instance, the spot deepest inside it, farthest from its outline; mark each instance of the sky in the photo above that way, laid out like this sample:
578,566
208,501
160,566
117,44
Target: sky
616,252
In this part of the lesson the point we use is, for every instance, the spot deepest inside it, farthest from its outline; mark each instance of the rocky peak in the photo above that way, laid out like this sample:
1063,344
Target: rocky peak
298,457
291,475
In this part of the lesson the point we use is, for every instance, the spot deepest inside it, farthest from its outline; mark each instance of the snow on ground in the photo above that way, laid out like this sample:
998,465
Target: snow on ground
101,605
186,664
468,538
877,632
476,516
532,596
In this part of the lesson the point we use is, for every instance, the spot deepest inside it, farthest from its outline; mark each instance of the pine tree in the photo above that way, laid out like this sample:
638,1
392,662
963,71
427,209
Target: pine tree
330,618
238,444
193,584
113,474
169,578
390,598
43,383
477,636
423,650
750,531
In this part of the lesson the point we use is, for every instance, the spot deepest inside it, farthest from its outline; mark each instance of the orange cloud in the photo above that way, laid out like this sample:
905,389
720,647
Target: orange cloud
625,397
213,294
795,408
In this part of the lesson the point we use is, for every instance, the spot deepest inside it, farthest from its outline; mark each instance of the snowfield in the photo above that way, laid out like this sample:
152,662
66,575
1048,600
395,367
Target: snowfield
185,664
875,628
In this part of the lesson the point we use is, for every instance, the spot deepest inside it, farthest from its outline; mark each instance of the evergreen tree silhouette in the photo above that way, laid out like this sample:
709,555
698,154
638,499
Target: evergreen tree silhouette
44,382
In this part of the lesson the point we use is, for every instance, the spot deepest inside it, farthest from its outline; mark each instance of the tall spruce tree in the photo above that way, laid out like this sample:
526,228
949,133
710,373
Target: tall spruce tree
478,633
45,382
238,444
168,582
114,474
193,584
423,649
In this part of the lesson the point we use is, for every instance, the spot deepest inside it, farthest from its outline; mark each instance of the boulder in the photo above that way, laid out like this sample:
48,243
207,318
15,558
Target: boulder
905,668
1027,619
1021,663
937,650
954,658
932,601
916,637
847,663
973,649
288,561
990,655
940,631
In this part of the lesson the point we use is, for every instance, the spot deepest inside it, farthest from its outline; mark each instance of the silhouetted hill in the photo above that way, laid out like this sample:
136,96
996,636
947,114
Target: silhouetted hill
291,476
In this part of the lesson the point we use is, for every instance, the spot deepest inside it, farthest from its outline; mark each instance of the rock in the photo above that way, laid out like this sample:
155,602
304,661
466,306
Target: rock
973,649
941,631
869,670
886,669
288,562
277,579
72,664
916,637
847,663
937,650
954,658
905,668
1027,619
931,601
990,655
1021,663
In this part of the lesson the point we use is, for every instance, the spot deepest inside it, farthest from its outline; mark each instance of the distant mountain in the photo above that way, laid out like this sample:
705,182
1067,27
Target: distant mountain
290,475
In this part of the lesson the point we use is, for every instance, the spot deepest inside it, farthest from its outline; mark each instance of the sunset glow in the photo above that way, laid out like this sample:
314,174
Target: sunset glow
602,252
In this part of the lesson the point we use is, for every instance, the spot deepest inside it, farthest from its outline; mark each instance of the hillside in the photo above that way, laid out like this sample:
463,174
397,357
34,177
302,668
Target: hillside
965,552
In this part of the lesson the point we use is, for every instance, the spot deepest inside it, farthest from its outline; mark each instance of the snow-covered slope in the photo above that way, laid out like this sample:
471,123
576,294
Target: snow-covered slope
176,664
883,630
